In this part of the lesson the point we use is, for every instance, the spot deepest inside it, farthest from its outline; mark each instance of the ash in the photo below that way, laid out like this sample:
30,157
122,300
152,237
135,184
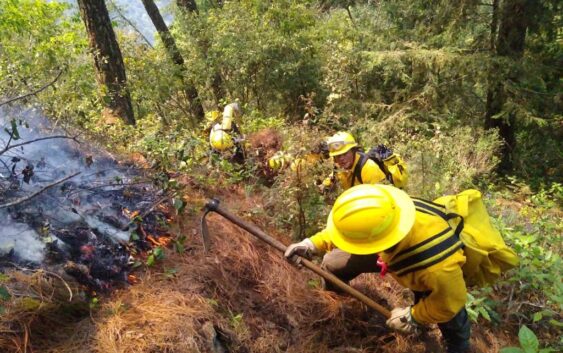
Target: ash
82,225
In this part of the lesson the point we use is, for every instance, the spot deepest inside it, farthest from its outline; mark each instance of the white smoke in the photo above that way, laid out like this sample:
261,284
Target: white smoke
24,229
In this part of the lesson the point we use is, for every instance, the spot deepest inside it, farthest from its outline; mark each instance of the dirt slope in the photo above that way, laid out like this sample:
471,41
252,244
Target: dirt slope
240,297
244,297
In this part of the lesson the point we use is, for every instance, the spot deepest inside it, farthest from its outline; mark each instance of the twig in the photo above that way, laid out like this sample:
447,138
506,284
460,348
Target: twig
24,269
118,10
39,139
144,214
34,92
27,198
64,282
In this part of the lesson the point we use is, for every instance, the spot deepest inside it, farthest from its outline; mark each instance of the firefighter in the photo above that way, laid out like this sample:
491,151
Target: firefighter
372,225
354,167
226,137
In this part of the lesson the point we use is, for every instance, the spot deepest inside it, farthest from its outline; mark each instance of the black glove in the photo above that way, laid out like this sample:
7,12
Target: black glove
381,152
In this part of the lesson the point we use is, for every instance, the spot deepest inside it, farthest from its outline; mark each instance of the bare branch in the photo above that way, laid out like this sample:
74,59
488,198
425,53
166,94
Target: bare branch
118,10
149,210
39,139
34,92
27,198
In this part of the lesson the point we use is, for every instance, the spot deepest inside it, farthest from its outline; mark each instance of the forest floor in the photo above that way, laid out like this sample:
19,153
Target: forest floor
241,296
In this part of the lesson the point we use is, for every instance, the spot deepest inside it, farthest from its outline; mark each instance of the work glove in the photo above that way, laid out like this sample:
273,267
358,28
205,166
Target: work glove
401,320
304,248
326,185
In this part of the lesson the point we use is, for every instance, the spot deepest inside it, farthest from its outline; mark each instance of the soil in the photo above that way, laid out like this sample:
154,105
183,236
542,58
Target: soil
241,296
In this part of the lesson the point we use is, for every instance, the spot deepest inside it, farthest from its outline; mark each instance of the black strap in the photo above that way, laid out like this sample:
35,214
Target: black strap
453,242
358,168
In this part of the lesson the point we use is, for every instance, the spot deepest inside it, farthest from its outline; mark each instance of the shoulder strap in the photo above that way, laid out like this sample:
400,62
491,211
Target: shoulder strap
432,250
358,169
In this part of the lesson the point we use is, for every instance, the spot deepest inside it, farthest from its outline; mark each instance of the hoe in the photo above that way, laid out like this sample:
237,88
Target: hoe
213,206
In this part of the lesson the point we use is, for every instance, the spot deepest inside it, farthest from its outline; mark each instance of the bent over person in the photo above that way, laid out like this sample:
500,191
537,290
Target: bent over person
379,224
355,167
226,136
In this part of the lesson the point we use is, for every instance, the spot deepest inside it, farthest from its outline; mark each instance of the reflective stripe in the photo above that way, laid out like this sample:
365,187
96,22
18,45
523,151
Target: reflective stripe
439,236
432,261
430,255
432,250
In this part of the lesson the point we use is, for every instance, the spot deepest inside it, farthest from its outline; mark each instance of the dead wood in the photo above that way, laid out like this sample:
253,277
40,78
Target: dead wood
33,92
29,197
8,147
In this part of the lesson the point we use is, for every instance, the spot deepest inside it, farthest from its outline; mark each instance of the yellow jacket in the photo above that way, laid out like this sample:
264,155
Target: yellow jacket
371,174
444,280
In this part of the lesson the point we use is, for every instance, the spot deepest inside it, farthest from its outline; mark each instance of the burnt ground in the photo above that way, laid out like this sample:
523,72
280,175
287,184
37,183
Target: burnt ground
239,297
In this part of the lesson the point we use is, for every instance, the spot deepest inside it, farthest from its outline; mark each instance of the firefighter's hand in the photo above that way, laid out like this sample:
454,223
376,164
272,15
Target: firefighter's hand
304,248
326,185
401,320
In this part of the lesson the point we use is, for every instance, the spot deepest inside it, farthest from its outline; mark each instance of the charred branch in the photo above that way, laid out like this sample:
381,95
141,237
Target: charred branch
39,192
8,147
33,92
124,18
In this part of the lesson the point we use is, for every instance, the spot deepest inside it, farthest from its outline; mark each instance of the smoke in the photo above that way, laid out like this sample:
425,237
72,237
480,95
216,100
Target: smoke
93,200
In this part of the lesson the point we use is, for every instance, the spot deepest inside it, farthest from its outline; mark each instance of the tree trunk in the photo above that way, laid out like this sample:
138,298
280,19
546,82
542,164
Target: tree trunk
108,61
513,23
174,53
187,6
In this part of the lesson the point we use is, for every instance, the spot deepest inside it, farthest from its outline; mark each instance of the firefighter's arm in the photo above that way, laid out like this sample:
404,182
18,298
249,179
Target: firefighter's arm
322,242
447,298
371,173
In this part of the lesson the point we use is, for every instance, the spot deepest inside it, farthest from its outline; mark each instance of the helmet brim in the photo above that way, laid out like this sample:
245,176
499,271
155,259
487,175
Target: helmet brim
345,149
399,232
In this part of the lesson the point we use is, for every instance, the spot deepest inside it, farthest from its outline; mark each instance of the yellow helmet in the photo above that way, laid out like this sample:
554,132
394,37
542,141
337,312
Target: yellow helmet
219,139
340,143
367,219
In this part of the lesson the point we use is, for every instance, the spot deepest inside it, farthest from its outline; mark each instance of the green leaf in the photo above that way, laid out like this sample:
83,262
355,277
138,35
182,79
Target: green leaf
150,260
179,247
537,316
15,133
511,350
158,253
170,273
179,205
134,236
528,340
485,313
4,294
556,323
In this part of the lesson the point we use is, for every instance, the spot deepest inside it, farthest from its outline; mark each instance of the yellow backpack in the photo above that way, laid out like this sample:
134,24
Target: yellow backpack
487,256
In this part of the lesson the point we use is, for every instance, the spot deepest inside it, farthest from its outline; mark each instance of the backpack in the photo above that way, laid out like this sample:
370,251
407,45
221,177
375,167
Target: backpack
392,165
487,256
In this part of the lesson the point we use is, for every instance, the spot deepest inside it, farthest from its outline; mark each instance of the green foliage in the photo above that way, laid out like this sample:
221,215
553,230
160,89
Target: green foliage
156,254
528,342
480,305
533,229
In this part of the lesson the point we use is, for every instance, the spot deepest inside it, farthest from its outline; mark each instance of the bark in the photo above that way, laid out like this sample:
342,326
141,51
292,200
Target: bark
174,53
510,41
108,61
